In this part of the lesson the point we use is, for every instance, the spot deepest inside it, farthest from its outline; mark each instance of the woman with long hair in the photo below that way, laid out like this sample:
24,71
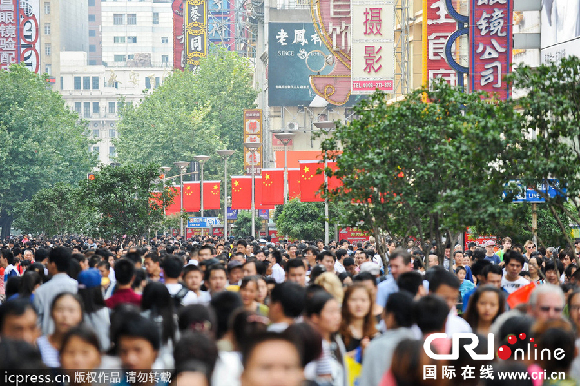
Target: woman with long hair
80,350
357,327
248,291
30,282
536,274
96,313
485,305
157,305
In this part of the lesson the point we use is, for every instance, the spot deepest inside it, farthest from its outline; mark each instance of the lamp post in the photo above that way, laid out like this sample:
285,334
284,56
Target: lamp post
285,138
326,126
252,147
181,165
201,159
225,154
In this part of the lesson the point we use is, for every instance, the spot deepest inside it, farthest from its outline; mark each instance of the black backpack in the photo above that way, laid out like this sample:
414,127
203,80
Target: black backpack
178,296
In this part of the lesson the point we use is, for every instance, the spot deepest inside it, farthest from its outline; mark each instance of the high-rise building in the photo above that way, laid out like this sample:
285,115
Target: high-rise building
64,26
95,33
137,34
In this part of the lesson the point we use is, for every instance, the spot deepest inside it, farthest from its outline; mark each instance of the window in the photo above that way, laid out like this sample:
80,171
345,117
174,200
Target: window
77,82
119,39
86,82
95,82
96,150
47,49
165,59
164,40
92,33
118,19
157,82
91,3
92,62
92,48
132,19
96,108
147,82
48,69
120,58
78,107
112,133
61,83
47,28
112,152
87,109
130,57
95,133
47,8
112,108
92,18
155,17
131,39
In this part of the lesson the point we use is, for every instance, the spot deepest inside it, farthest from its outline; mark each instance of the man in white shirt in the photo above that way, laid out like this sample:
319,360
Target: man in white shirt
173,268
512,280
446,285
193,278
278,273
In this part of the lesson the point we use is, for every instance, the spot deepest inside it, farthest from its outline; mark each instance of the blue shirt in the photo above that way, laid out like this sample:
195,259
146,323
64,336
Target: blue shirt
386,288
494,259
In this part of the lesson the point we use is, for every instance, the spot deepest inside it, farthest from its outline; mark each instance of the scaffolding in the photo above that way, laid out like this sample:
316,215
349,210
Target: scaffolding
403,83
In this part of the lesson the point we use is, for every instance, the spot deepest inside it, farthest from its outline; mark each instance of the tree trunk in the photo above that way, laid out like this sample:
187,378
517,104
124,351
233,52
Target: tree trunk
5,224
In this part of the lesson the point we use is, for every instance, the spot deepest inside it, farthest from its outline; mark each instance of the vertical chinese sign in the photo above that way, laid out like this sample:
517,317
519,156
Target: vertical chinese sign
19,40
437,29
8,33
253,134
178,35
195,32
373,46
490,42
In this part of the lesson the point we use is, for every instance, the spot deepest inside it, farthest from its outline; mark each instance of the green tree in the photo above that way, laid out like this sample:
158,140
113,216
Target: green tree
545,148
42,141
124,200
191,114
424,167
303,220
243,225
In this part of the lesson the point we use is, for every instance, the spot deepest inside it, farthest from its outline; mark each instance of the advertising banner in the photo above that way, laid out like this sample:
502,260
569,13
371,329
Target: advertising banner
232,214
19,33
490,42
195,31
560,21
202,222
353,235
373,46
253,134
438,28
178,35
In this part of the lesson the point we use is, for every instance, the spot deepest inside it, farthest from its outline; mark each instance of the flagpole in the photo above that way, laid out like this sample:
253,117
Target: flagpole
225,154
326,225
252,147
181,165
285,138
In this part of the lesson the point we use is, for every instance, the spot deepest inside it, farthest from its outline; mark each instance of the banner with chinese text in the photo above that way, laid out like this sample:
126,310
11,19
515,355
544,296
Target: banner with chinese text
253,134
439,26
490,44
178,35
373,46
195,31
19,33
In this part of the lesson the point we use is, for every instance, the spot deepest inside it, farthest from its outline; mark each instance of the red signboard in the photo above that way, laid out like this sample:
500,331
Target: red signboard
178,35
490,43
353,235
437,29
192,232
8,34
273,235
218,232
480,240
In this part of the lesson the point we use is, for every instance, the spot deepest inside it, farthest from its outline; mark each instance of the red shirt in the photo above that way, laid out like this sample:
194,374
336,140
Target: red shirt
123,296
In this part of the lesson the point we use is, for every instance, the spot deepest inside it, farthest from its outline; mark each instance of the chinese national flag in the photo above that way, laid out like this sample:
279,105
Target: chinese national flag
310,181
176,205
211,195
333,182
241,192
191,197
293,183
155,200
259,197
272,186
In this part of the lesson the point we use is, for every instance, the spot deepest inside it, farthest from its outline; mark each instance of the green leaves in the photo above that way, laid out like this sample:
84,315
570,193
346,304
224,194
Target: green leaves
303,220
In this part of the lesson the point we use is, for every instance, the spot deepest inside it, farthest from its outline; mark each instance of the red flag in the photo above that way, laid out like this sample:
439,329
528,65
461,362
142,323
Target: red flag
191,197
333,182
241,192
211,195
293,183
155,200
259,196
174,207
310,181
272,186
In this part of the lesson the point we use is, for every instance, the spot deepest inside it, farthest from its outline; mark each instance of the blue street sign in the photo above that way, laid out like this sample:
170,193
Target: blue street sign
202,222
264,213
531,195
232,214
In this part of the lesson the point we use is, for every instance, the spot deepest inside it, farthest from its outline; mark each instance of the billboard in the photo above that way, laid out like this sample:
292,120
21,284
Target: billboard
373,46
560,21
490,42
178,35
19,33
440,25
195,31
253,134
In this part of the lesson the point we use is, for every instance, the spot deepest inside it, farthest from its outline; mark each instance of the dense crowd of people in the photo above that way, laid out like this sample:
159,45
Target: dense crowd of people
246,312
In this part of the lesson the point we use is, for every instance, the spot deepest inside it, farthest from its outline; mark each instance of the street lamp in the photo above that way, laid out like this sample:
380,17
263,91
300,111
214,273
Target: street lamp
285,138
252,147
201,159
181,165
164,171
225,154
326,126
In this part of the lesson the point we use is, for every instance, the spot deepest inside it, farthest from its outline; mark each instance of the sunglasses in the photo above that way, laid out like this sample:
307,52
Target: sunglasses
558,310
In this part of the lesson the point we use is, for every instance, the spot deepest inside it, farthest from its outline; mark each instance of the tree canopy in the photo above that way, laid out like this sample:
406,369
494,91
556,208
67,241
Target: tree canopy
42,142
303,220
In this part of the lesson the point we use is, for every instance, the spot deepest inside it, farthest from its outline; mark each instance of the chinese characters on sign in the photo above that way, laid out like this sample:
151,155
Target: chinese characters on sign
438,28
253,134
372,51
195,31
8,42
19,33
461,373
490,40
178,35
